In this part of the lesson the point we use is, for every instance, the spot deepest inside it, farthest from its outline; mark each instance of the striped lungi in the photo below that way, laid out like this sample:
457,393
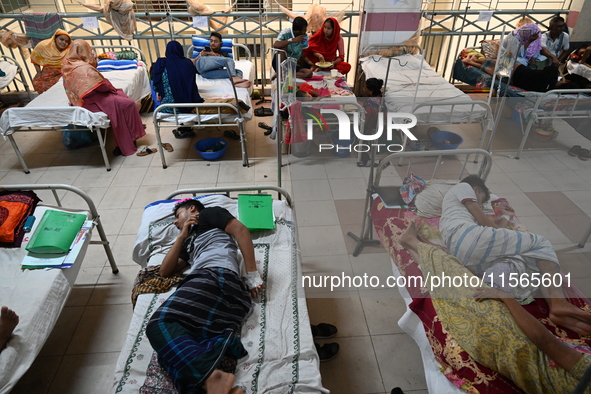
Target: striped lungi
477,247
197,326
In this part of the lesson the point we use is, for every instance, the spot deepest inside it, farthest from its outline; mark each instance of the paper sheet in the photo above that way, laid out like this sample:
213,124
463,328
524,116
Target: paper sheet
484,16
90,22
200,21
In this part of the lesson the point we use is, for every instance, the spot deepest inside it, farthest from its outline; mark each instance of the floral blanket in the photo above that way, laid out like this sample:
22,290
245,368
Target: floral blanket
455,363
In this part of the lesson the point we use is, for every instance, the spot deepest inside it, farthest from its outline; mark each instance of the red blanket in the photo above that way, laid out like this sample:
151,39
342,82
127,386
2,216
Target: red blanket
15,208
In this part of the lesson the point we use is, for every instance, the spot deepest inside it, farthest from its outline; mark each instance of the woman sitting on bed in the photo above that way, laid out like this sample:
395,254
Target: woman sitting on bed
49,55
323,47
501,335
480,243
525,75
87,88
174,78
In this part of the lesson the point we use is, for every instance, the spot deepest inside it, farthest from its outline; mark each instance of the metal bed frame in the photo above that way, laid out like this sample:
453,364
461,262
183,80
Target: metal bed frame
95,217
485,120
366,235
102,138
21,75
172,122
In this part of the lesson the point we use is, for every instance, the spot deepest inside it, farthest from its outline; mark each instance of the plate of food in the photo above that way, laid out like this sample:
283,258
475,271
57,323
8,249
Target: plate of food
324,64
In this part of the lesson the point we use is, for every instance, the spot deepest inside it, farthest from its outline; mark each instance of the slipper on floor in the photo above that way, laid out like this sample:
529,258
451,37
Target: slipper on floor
323,330
328,351
262,111
575,150
231,134
265,126
146,151
183,132
168,147
584,154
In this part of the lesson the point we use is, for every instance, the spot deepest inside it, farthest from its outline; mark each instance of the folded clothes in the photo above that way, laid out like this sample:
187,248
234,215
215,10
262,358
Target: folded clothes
15,208
315,78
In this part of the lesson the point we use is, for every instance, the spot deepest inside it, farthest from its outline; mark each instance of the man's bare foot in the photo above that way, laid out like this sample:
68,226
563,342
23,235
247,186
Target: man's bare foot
219,383
8,321
410,239
236,390
565,314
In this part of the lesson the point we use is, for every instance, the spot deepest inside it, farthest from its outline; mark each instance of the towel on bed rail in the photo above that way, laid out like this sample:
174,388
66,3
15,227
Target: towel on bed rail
15,208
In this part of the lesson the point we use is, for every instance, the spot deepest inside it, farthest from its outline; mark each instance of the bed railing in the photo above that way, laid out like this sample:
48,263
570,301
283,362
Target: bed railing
562,106
91,207
128,47
366,236
21,75
228,190
177,119
234,45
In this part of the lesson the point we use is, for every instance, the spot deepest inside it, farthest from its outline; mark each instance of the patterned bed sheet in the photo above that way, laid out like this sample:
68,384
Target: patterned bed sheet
457,365
281,354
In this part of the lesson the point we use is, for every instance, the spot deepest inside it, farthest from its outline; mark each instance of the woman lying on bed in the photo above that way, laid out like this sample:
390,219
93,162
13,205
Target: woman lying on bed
525,75
480,243
505,338
195,331
49,55
87,88
324,45
174,78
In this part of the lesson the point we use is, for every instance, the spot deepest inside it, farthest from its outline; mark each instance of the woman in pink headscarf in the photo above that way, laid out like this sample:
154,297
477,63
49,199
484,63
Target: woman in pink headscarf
87,88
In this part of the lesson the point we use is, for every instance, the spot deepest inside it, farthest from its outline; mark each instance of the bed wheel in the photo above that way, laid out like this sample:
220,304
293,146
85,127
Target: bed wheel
116,271
165,167
27,172
108,169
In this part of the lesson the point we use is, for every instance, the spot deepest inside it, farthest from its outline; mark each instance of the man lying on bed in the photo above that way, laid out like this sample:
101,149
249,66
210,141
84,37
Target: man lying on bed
195,331
481,245
502,336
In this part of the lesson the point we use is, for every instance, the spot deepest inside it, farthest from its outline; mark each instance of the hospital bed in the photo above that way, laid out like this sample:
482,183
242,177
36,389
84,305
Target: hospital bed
51,109
14,72
447,366
38,296
281,354
212,114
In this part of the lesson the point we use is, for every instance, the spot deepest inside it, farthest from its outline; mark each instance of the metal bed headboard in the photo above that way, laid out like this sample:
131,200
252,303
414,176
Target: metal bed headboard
234,45
91,207
21,75
134,48
228,190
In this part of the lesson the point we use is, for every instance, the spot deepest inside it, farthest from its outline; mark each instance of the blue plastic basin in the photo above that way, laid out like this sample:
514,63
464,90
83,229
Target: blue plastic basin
445,140
202,146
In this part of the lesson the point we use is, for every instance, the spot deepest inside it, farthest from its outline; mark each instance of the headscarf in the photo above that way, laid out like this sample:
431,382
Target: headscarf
79,71
181,73
318,43
524,33
46,52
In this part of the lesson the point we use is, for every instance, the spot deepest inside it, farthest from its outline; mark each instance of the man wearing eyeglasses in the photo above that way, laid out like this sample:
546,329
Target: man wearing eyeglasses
555,42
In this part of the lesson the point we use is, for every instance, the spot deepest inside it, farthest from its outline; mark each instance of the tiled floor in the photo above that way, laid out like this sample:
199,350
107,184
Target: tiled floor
548,188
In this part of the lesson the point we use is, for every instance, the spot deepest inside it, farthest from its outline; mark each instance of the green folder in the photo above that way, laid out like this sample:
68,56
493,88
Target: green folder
55,232
255,211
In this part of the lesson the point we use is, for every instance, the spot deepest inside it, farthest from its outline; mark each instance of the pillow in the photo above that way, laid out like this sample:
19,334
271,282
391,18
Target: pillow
490,48
430,200
199,43
116,65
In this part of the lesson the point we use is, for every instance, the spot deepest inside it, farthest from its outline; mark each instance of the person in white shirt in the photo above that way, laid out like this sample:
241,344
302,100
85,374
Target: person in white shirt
555,42
479,242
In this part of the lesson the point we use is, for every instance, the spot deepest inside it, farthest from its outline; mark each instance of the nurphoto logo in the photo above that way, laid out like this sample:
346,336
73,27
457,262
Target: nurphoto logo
394,121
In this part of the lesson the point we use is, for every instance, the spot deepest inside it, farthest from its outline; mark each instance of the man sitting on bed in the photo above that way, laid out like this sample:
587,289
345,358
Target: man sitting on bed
212,63
195,331
479,243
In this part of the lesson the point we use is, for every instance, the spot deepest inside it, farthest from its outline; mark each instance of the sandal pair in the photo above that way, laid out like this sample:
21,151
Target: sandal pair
328,351
268,129
580,152
262,111
231,134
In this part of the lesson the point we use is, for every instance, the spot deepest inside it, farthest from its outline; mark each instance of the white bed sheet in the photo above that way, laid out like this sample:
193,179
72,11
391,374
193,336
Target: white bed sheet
401,86
276,334
10,69
38,297
52,109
